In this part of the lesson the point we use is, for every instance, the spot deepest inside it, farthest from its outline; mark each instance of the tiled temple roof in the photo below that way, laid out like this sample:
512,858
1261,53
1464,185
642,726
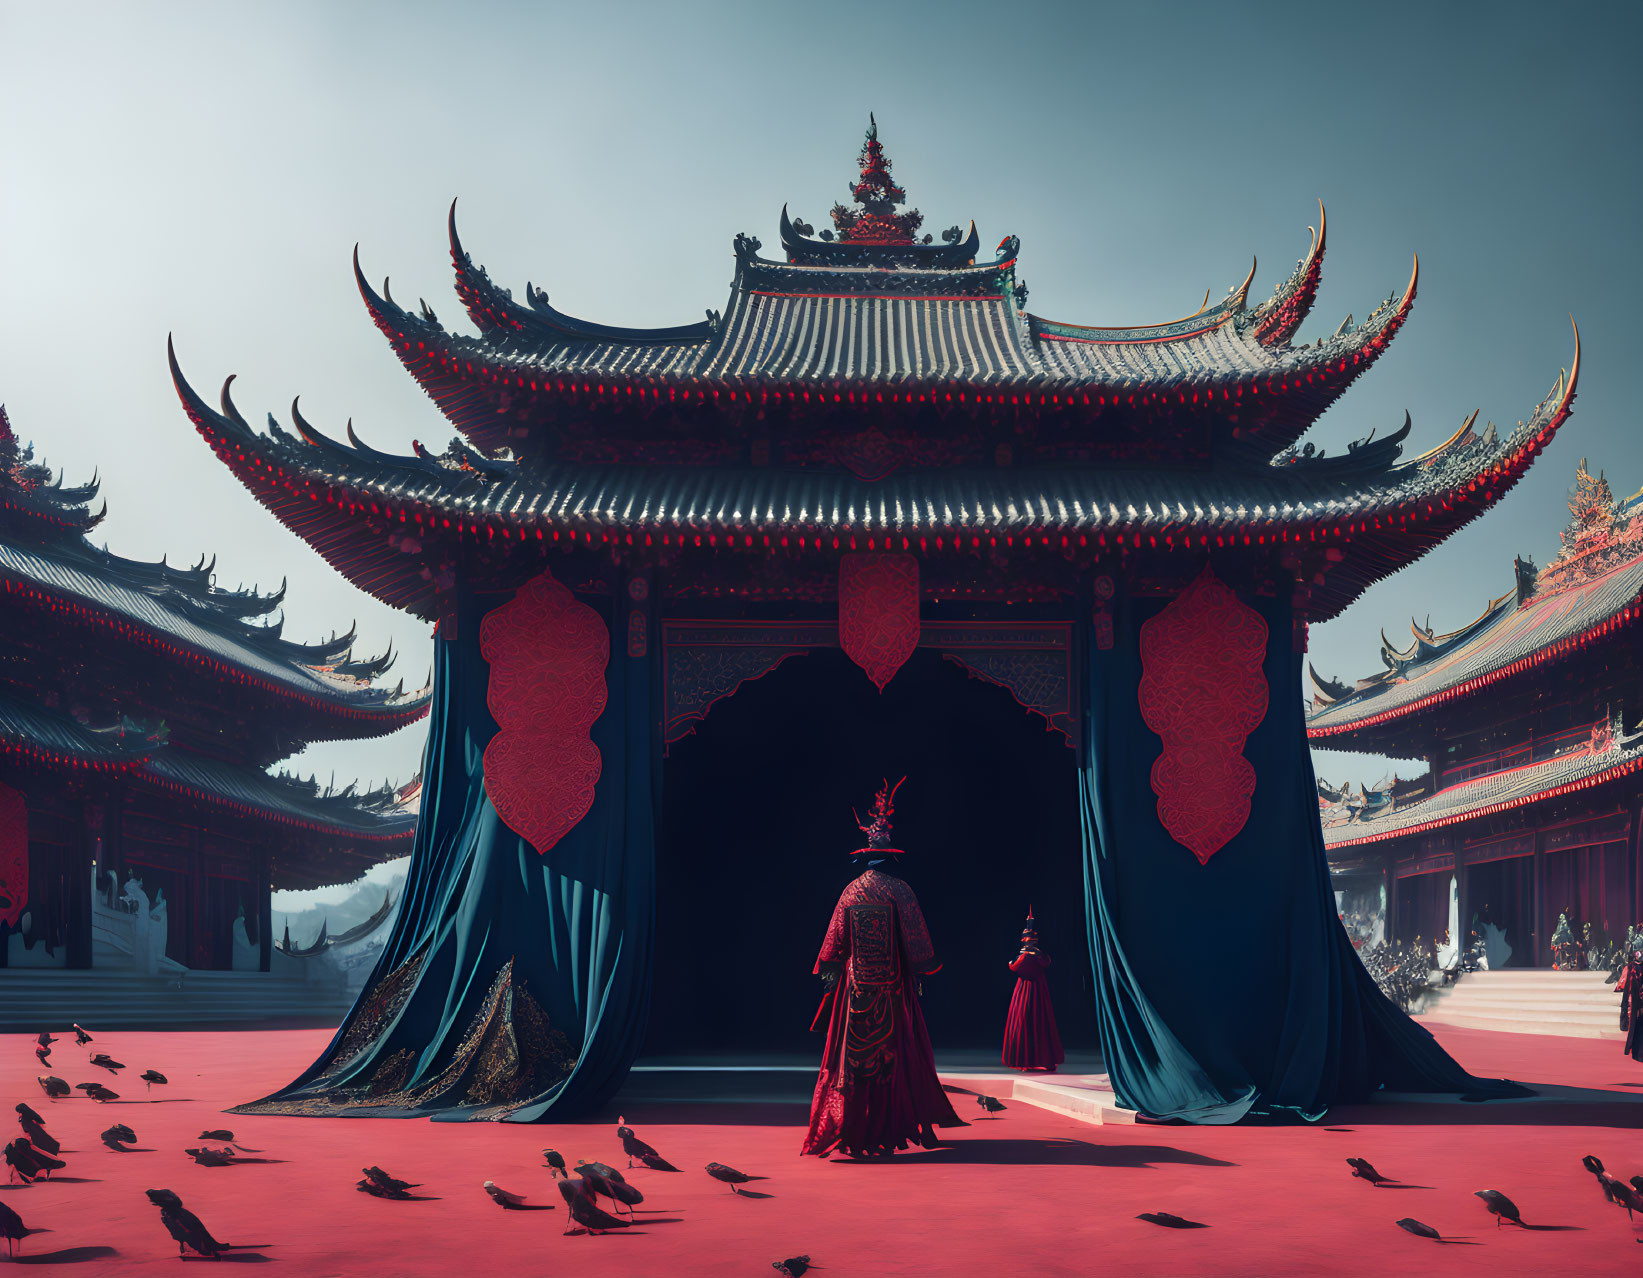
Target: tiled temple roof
373,815
378,517
814,324
231,634
1553,614
1608,757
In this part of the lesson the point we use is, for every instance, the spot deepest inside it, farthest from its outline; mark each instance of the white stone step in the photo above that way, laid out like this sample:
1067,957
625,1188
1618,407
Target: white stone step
1506,1024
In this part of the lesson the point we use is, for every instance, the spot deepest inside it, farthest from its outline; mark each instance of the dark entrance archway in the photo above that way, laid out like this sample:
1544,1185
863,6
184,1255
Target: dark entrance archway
756,831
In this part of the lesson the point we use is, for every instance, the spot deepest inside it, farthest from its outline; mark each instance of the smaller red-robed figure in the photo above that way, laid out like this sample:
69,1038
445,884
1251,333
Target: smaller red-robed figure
1031,1040
877,1089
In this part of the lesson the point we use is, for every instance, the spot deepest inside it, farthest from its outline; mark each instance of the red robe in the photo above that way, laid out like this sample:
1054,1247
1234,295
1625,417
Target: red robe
1031,1040
877,1089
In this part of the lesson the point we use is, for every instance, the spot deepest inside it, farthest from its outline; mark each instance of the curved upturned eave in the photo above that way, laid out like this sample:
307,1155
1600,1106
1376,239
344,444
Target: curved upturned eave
495,313
1276,320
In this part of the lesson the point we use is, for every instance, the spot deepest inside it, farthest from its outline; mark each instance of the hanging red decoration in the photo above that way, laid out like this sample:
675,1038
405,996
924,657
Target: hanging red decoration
878,612
1203,691
14,855
548,654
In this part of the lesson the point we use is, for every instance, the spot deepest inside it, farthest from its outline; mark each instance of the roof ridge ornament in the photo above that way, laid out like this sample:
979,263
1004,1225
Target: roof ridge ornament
875,220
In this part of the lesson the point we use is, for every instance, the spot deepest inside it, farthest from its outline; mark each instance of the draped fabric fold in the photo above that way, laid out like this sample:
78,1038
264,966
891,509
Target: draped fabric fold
515,985
1230,988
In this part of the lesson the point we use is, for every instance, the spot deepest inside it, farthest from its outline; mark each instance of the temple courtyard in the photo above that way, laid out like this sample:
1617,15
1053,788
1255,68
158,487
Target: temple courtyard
1034,1190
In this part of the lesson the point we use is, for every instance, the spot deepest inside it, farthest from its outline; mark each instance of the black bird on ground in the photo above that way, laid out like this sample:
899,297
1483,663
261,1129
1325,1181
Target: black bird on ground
1621,1194
43,1055
81,1038
152,1076
633,1147
36,1131
105,1061
97,1092
369,1186
1420,1229
227,1138
729,1175
31,1163
383,1180
12,1229
583,1210
618,1190
53,1086
116,1134
793,1266
1500,1206
1363,1169
26,1113
45,1039
205,1156
184,1226
556,1162
1170,1221
990,1103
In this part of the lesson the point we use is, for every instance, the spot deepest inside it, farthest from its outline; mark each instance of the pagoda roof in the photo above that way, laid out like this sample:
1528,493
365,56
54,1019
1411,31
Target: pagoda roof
372,815
386,521
1609,756
41,737
1552,615
233,634
836,318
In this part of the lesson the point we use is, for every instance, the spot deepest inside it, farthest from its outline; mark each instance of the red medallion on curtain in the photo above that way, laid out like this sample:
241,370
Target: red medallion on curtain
1203,690
547,654
14,855
878,612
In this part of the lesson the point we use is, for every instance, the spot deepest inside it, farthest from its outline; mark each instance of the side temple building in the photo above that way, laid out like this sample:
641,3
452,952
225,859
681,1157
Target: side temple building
141,708
1528,719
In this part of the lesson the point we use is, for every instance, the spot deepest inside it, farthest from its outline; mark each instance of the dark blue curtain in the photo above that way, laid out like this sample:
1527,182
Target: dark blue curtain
575,923
1230,988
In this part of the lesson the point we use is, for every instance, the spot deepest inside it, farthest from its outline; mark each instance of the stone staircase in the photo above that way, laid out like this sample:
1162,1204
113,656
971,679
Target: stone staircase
33,999
1529,1001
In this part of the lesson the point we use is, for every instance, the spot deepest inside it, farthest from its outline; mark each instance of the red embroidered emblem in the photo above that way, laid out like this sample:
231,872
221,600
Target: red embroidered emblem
878,612
14,855
1203,691
548,655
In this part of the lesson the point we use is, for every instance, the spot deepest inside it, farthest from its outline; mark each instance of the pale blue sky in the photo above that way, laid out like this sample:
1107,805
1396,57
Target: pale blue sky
206,169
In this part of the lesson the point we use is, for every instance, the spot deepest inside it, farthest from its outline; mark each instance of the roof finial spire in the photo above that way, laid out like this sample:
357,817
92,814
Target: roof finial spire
875,220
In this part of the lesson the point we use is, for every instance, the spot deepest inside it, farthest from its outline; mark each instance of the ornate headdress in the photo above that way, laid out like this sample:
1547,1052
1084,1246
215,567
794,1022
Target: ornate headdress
878,833
1029,934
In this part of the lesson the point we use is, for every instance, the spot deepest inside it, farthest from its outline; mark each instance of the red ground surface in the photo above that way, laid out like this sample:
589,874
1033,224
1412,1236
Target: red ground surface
1029,1193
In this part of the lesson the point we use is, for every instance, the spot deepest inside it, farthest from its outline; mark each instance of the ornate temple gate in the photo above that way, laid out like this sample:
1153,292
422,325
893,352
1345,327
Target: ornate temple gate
881,393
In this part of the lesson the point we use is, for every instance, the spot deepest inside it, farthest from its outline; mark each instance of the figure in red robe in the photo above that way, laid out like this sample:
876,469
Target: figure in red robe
1031,1040
1631,1005
877,1090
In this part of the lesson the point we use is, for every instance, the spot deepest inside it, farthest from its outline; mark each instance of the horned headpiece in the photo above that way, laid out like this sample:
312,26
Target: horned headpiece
878,832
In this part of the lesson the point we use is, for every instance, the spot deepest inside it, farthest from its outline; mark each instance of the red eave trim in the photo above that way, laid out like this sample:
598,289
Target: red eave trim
74,762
